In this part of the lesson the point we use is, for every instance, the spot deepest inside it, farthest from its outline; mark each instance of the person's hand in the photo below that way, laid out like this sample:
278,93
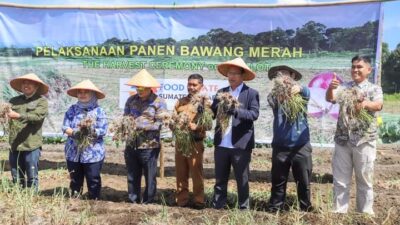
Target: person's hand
69,132
77,134
231,111
192,126
140,127
295,89
361,105
13,115
334,83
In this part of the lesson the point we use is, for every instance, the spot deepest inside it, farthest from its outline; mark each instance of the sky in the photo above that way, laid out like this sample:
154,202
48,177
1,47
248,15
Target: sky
391,26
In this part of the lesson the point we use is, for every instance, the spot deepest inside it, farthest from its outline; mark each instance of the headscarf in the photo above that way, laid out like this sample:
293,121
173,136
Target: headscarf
92,103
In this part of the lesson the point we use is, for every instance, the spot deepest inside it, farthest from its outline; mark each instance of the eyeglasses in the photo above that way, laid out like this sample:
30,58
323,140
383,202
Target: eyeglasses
141,88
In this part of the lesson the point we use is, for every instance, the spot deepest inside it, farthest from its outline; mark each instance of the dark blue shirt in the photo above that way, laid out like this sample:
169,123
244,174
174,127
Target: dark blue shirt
287,133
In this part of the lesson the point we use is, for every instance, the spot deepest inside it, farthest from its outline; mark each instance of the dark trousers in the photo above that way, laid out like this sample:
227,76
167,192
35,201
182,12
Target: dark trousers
240,160
91,171
301,162
138,162
25,167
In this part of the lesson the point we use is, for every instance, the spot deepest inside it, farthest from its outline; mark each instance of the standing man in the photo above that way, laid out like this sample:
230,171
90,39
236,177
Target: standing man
27,117
234,146
194,162
290,146
141,154
355,149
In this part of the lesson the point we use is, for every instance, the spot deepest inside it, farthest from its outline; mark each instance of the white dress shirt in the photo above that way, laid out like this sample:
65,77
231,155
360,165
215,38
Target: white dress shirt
226,141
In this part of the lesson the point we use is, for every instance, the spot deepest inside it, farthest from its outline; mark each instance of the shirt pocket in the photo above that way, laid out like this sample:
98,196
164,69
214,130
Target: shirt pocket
31,106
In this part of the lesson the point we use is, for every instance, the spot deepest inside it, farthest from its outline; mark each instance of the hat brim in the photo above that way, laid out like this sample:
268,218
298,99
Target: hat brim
224,67
16,84
73,92
153,85
272,72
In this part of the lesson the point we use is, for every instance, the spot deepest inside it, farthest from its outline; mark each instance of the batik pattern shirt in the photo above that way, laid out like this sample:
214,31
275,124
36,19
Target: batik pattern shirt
356,137
96,151
148,119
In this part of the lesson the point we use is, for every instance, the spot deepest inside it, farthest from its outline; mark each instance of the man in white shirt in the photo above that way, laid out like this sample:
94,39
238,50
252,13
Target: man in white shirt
234,146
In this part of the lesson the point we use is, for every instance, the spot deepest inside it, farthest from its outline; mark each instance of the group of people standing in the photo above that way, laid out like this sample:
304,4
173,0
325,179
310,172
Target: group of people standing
233,145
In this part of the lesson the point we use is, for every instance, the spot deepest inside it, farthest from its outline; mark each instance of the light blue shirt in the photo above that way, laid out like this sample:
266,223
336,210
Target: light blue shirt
226,141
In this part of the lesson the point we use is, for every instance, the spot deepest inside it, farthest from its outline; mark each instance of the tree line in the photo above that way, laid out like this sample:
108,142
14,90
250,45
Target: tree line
312,36
390,78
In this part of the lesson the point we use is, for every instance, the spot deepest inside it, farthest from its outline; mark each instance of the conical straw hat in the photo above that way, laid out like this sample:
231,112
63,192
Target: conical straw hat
272,72
248,73
16,83
143,79
85,85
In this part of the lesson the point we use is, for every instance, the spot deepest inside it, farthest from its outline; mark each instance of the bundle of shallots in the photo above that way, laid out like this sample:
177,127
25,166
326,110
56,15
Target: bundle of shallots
86,134
204,117
5,108
124,129
293,105
226,103
166,119
348,99
183,138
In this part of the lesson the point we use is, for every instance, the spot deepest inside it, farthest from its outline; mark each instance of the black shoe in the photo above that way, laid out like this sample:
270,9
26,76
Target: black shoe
199,206
183,206
272,210
312,209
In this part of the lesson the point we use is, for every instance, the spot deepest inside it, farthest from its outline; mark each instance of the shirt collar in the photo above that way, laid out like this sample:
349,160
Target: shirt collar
29,97
238,89
363,84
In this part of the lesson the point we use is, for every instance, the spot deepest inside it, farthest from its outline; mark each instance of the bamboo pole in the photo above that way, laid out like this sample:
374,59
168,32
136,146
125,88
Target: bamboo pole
161,160
91,7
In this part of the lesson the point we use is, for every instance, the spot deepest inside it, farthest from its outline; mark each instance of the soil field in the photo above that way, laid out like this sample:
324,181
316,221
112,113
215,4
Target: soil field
54,206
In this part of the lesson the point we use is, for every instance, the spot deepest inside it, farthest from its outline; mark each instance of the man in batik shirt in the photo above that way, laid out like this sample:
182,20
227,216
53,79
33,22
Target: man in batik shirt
355,148
141,153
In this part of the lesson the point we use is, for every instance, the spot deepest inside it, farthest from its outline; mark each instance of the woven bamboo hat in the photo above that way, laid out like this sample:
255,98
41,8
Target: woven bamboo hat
143,79
224,67
16,83
85,85
272,72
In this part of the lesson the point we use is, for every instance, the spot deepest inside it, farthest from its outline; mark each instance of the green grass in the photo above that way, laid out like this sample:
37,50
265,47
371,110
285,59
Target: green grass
391,98
26,206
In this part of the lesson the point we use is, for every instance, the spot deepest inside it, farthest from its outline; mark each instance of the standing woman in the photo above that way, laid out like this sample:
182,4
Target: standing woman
85,161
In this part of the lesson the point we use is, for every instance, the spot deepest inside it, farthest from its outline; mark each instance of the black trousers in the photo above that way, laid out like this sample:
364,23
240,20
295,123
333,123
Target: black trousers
138,162
91,171
301,162
239,159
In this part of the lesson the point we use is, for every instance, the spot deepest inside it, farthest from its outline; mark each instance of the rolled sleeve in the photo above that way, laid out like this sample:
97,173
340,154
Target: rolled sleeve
67,121
305,93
